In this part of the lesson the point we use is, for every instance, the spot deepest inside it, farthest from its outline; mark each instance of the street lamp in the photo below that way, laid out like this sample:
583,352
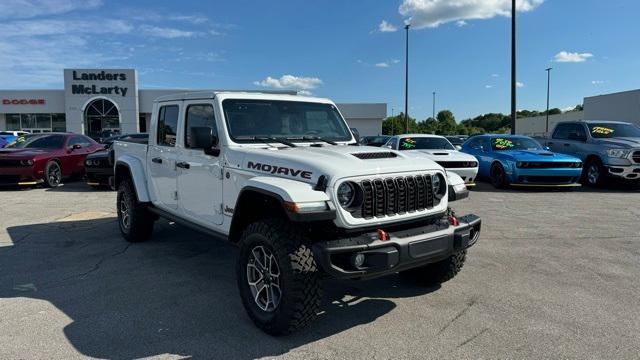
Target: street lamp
548,70
406,80
513,67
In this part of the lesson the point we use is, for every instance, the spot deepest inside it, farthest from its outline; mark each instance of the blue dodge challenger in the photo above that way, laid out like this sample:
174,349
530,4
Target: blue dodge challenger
512,160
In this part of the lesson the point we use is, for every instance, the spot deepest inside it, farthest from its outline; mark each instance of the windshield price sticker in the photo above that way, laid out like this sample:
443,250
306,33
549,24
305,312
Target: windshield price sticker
408,143
602,130
503,143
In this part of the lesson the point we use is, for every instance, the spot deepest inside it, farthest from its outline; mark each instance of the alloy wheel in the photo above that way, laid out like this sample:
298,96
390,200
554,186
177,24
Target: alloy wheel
54,175
593,174
263,278
125,212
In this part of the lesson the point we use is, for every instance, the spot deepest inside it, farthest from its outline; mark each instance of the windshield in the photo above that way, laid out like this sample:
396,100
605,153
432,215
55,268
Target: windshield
369,140
613,130
514,143
37,142
426,143
251,119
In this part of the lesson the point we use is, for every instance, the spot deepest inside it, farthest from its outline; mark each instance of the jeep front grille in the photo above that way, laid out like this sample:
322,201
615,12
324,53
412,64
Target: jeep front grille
395,195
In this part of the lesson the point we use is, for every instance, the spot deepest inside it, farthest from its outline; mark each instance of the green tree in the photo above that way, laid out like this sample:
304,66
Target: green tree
446,123
394,125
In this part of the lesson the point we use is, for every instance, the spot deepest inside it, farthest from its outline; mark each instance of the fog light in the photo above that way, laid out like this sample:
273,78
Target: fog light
358,260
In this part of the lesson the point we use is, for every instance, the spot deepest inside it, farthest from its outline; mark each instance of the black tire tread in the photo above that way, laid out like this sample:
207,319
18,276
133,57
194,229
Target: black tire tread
305,290
142,219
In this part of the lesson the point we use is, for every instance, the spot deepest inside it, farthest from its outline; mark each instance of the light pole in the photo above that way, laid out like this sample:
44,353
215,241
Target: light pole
513,67
406,80
393,121
434,106
546,129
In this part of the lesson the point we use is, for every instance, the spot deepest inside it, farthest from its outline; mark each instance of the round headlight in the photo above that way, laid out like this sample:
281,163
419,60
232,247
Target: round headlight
346,194
87,162
439,186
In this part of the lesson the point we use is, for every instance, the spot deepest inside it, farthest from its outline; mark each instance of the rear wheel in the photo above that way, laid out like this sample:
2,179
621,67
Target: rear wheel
437,273
498,176
134,218
52,174
593,173
278,279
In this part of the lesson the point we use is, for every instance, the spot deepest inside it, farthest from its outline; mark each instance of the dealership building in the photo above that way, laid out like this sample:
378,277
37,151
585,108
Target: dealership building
96,100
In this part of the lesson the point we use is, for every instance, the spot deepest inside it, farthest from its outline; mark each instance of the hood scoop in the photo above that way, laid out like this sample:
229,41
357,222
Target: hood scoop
440,153
375,155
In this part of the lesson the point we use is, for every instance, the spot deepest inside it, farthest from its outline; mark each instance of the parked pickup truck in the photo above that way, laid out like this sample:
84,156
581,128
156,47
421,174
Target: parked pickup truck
607,148
276,174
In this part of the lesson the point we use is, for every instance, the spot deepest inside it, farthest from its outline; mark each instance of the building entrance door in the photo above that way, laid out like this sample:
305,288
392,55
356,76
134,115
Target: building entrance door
101,116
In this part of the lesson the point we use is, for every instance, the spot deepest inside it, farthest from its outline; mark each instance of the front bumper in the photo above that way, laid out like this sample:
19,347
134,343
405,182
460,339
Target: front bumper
467,174
96,176
20,176
546,177
625,172
404,250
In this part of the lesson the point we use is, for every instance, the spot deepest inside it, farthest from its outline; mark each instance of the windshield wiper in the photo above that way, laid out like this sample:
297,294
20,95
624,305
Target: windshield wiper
267,140
319,139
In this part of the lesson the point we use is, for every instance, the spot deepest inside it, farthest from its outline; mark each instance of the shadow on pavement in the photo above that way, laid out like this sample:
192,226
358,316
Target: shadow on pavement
611,187
173,295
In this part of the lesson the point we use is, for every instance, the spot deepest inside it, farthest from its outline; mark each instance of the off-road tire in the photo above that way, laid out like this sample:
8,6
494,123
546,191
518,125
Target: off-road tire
498,176
437,273
140,219
600,173
52,174
300,276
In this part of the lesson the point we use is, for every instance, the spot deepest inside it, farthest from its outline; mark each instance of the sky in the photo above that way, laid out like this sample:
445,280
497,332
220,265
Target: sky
348,51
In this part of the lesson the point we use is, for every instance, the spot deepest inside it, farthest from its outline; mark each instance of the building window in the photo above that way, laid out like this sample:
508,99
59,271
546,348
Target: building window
36,123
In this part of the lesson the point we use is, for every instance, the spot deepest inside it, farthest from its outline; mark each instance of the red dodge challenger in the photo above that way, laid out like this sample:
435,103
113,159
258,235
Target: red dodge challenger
45,158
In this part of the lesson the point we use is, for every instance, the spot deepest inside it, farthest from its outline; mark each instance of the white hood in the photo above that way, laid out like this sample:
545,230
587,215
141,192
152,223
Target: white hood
442,155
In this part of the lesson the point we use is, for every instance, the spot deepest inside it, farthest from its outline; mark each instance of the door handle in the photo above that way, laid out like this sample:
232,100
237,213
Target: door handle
183,165
157,160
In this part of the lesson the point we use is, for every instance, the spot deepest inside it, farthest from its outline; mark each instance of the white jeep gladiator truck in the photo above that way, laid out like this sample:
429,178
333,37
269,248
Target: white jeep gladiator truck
280,176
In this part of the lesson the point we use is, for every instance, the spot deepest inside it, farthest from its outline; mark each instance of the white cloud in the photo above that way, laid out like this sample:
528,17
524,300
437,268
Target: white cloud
290,82
433,13
597,82
387,27
461,23
519,84
32,28
382,65
395,61
194,19
495,75
305,92
488,86
166,32
565,56
24,9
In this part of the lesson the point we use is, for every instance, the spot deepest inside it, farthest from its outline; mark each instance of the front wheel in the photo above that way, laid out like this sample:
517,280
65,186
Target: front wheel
437,273
498,176
52,174
278,278
593,173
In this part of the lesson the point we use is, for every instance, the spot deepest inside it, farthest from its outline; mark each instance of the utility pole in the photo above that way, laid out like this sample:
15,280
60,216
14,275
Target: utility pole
406,80
546,129
513,67
434,106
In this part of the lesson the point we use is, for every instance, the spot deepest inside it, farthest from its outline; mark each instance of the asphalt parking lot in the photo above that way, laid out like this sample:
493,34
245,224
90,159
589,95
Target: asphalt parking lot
555,275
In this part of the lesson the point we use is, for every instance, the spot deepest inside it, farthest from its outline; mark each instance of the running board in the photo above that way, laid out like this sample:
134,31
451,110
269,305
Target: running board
193,226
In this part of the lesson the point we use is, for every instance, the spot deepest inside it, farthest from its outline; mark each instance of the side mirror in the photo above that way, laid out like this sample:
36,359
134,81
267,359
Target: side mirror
356,135
204,137
547,148
76,147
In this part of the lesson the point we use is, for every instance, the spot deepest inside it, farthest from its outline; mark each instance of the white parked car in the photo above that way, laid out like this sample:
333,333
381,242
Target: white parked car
440,150
13,133
282,177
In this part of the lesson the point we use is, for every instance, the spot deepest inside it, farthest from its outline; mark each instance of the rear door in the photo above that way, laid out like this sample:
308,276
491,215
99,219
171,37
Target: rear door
560,139
162,156
199,174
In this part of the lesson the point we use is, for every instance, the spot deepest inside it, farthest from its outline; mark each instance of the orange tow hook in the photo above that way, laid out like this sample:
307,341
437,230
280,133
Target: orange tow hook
383,235
453,221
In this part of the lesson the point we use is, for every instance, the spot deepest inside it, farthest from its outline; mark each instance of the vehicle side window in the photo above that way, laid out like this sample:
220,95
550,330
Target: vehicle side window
393,142
476,143
577,130
79,140
561,132
198,116
167,125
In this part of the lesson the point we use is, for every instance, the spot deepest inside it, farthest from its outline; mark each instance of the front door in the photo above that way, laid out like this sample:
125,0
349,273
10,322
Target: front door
162,156
199,174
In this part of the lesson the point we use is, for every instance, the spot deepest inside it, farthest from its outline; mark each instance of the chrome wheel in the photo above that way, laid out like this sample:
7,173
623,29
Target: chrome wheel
54,175
124,212
263,277
593,174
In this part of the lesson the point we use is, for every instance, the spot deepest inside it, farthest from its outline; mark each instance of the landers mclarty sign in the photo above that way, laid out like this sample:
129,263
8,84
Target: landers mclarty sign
92,89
